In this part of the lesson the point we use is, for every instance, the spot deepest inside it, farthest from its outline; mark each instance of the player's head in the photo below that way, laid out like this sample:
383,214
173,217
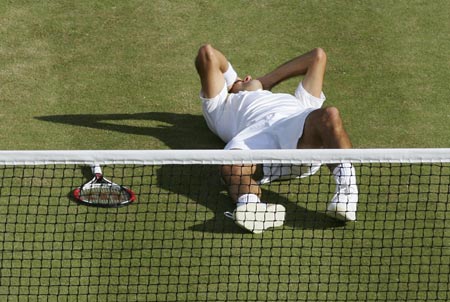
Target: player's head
246,84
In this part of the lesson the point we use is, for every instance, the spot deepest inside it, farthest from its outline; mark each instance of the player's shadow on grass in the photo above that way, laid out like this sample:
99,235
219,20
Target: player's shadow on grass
176,130
200,183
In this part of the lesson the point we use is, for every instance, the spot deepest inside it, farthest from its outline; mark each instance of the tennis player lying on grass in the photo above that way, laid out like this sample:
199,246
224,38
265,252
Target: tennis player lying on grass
245,114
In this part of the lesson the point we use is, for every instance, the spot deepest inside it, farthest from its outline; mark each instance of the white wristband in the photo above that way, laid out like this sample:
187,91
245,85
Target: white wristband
230,75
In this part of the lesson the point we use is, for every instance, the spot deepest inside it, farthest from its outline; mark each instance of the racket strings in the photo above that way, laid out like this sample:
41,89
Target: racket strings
104,194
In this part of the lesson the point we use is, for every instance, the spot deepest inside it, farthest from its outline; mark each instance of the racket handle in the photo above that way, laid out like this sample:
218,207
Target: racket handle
96,169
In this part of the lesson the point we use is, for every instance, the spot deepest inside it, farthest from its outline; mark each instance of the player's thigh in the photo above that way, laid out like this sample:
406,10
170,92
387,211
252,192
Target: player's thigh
311,138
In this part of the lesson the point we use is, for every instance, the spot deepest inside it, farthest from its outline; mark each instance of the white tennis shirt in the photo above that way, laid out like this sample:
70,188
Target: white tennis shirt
259,119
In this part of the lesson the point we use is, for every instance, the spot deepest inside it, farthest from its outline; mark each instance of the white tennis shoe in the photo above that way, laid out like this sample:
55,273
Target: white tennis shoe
258,217
344,203
343,206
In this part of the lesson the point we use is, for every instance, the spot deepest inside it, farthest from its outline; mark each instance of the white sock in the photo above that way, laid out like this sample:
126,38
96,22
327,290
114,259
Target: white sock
248,198
345,174
230,75
344,169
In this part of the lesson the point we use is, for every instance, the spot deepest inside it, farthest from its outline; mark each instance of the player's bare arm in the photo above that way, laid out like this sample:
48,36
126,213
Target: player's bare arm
312,65
211,66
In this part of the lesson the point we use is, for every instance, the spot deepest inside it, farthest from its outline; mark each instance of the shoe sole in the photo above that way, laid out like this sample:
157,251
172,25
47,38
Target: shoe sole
258,217
340,211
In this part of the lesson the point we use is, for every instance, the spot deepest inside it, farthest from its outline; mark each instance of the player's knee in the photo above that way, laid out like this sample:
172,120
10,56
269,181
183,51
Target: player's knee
332,112
332,118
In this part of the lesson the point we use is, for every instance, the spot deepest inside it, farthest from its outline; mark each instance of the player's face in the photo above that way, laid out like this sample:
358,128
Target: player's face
246,84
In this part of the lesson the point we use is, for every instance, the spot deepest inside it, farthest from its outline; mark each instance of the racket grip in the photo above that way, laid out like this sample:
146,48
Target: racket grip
96,169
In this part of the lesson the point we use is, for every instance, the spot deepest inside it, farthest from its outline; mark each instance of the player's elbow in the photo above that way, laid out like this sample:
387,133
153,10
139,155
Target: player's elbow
209,61
206,52
320,55
205,57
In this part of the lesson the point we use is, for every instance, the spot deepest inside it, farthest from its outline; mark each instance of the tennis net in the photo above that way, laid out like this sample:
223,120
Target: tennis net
174,243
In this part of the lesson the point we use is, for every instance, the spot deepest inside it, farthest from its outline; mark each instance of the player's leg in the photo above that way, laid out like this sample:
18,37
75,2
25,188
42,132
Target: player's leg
250,212
239,180
324,129
344,203
212,66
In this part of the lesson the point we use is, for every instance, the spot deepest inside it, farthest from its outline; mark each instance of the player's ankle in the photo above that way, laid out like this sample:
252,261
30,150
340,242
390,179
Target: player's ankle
247,198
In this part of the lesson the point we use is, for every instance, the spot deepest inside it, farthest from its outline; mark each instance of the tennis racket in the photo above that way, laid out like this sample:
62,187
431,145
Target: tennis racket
101,192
